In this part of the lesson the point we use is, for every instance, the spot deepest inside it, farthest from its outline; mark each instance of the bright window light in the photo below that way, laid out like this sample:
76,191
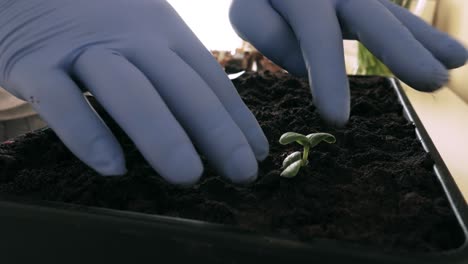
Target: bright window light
209,20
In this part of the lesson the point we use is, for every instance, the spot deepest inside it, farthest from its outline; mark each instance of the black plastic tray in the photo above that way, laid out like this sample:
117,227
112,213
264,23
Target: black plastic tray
46,232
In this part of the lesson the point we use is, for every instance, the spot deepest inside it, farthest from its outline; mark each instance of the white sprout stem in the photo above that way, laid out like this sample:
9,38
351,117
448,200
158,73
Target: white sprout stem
305,155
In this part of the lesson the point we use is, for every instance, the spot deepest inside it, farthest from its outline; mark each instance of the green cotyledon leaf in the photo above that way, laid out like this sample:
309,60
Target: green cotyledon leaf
315,138
290,137
292,170
291,158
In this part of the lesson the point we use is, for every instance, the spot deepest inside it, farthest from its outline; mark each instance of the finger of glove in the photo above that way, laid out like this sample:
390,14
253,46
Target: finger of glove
131,100
443,47
258,23
317,28
393,44
60,103
201,113
191,50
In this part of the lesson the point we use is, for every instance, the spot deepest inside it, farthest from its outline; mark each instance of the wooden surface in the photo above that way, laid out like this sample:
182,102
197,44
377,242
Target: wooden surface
12,128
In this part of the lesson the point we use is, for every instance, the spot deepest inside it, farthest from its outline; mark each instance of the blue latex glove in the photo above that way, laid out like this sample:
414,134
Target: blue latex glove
305,38
146,68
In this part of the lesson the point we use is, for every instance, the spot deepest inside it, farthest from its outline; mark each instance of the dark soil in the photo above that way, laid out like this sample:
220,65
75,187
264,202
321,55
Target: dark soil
374,186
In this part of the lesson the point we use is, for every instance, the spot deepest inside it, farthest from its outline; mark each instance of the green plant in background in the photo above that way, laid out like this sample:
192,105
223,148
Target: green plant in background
368,64
293,162
404,3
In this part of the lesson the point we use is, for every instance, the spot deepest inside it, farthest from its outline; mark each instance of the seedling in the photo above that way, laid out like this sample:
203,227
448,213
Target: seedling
295,161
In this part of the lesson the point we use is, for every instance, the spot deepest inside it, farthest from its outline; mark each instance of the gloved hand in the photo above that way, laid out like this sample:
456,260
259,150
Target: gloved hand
305,38
148,70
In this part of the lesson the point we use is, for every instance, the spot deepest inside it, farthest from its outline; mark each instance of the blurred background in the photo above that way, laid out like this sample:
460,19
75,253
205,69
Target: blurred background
209,20
443,113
